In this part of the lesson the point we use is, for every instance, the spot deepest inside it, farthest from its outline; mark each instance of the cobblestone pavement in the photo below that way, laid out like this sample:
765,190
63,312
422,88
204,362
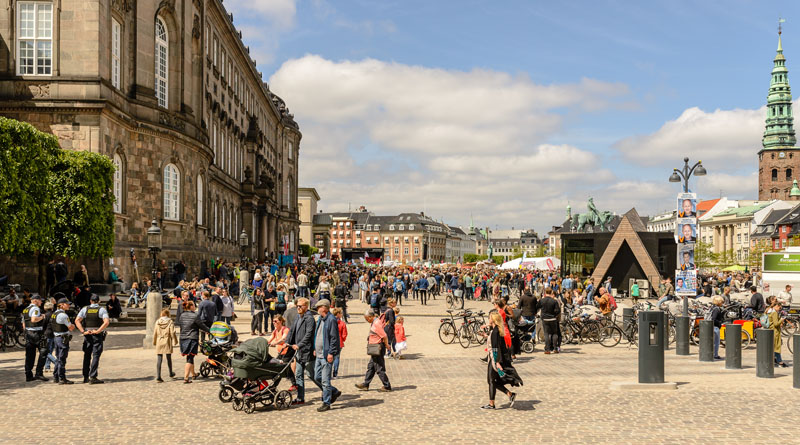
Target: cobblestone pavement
438,391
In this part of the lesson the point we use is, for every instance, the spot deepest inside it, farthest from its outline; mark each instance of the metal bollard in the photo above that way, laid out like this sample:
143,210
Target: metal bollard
666,331
706,341
627,316
651,349
765,353
795,348
681,335
733,346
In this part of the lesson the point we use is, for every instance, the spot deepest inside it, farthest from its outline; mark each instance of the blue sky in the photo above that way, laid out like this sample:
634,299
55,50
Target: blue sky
509,110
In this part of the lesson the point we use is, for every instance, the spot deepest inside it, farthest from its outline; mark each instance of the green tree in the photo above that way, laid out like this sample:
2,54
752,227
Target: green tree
704,256
758,250
540,251
56,202
474,258
307,250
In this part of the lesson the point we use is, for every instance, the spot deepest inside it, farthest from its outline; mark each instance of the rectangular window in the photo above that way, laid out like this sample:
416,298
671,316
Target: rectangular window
396,251
405,251
222,68
416,251
214,142
216,49
35,38
115,52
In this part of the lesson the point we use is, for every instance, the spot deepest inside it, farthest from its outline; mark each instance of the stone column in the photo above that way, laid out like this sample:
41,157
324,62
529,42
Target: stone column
263,238
153,314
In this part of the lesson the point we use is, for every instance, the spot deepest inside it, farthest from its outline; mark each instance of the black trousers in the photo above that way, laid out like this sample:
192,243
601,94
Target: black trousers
62,352
377,365
34,342
398,295
92,348
550,334
495,383
256,324
423,296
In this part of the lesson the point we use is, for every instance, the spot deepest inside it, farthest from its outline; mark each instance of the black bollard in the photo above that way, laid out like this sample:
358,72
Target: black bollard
795,348
651,349
733,346
681,335
706,341
627,317
666,331
765,356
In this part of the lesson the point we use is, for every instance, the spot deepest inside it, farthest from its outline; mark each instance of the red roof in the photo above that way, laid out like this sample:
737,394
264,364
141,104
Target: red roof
704,206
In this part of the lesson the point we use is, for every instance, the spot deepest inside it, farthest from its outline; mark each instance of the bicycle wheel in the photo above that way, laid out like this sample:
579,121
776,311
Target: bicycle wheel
21,339
673,335
450,302
9,339
591,333
746,339
694,336
789,327
464,336
610,336
478,333
447,333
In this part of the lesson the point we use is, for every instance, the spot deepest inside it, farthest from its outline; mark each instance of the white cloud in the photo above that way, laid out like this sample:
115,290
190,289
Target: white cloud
279,13
724,139
262,22
396,137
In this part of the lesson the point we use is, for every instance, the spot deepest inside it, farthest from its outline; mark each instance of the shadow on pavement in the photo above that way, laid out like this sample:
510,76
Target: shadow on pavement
526,405
131,379
403,388
358,403
413,356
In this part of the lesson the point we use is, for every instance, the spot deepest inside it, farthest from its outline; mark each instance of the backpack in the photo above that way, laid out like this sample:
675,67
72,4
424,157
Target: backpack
764,321
398,286
373,299
612,302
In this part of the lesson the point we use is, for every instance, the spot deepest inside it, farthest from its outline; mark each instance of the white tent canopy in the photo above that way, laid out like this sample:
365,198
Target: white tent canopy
539,263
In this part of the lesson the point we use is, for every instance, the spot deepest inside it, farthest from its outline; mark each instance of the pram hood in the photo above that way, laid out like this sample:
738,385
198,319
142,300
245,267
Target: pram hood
250,358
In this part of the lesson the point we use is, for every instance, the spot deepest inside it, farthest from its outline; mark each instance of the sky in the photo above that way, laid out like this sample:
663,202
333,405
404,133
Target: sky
507,112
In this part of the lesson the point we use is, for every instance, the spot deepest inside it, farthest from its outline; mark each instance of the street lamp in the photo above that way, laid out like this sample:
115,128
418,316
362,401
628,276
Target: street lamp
244,241
685,173
154,244
682,322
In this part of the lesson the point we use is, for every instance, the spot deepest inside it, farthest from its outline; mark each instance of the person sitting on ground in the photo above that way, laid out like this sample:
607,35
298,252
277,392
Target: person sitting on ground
113,307
113,276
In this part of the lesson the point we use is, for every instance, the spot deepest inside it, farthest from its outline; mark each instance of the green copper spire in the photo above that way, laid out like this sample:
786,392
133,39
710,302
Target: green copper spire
795,190
779,131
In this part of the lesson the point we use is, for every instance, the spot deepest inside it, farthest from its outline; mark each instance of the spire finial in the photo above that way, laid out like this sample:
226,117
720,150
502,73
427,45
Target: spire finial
780,22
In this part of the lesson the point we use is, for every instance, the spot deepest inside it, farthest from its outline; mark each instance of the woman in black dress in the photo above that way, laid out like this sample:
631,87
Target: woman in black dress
500,372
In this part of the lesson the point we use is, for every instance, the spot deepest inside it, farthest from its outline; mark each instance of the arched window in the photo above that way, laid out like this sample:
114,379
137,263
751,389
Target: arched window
172,193
788,174
117,183
162,63
200,201
774,174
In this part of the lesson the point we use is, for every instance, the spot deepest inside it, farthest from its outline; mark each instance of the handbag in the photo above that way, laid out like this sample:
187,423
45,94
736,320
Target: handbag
374,349
272,306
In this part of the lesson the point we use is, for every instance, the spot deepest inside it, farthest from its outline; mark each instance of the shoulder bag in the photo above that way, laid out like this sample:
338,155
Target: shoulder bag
374,349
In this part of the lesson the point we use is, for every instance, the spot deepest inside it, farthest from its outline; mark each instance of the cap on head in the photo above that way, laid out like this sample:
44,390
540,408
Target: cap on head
95,298
36,297
63,301
324,302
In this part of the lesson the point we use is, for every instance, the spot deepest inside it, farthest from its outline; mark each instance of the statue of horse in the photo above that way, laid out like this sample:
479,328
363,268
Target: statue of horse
602,219
597,221
579,221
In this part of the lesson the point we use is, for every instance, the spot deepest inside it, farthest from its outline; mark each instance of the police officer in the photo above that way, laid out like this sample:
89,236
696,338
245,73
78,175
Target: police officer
33,321
92,321
61,327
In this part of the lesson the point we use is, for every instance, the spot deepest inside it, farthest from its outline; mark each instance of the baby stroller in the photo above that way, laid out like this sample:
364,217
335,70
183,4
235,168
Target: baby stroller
526,331
257,375
223,339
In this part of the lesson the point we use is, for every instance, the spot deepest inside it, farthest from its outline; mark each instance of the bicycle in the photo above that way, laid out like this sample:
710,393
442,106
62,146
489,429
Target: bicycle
447,329
245,295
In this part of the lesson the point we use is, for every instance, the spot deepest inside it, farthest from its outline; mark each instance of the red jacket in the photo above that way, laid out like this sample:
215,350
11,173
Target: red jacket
342,333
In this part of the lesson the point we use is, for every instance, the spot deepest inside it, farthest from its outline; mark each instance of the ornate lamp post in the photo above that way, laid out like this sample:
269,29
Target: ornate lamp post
154,301
682,322
244,242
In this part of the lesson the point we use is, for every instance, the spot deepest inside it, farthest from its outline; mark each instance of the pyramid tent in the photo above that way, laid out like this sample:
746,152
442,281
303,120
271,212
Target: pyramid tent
626,232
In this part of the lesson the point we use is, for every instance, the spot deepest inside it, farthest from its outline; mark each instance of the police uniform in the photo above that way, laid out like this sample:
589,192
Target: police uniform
34,341
93,317
60,324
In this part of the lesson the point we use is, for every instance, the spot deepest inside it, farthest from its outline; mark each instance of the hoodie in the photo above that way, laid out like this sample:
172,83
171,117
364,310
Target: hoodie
164,336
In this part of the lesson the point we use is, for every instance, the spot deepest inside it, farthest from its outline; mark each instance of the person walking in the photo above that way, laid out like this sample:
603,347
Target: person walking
326,347
377,345
718,317
227,307
164,339
33,322
191,325
257,304
301,339
206,312
92,322
775,322
499,363
550,310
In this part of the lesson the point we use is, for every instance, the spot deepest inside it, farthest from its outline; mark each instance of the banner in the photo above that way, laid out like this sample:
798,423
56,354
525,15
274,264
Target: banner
781,262
686,282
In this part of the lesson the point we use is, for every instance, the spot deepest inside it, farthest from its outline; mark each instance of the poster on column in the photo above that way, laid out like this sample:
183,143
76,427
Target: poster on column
686,282
686,230
686,257
687,205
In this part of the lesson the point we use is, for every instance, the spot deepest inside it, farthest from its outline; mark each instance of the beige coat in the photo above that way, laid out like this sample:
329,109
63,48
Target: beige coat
164,336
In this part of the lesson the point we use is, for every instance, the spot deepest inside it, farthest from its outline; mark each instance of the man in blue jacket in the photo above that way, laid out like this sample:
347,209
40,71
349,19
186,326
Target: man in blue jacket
301,339
326,347
422,286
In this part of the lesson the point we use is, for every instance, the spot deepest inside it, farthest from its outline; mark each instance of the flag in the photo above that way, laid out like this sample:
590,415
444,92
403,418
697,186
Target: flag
524,255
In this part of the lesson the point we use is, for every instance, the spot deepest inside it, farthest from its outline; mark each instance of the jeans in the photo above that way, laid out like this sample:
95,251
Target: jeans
92,348
62,352
336,365
716,341
662,300
302,291
300,383
227,320
256,324
51,345
322,374
470,293
778,358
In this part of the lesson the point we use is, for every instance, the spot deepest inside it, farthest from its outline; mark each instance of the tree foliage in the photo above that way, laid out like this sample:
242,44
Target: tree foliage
27,157
307,250
474,258
53,201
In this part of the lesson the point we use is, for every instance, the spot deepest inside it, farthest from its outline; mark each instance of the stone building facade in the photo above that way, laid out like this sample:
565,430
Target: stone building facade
168,90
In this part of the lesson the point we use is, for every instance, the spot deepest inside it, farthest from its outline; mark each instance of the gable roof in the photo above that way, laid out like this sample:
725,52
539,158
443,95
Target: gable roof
630,224
705,206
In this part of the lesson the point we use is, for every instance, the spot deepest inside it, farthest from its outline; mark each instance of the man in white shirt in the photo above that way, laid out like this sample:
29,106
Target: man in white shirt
785,297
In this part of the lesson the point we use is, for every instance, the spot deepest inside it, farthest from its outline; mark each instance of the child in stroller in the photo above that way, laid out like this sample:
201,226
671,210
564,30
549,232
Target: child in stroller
223,339
255,377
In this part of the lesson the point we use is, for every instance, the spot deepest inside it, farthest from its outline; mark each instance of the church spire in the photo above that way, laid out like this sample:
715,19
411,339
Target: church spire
779,131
